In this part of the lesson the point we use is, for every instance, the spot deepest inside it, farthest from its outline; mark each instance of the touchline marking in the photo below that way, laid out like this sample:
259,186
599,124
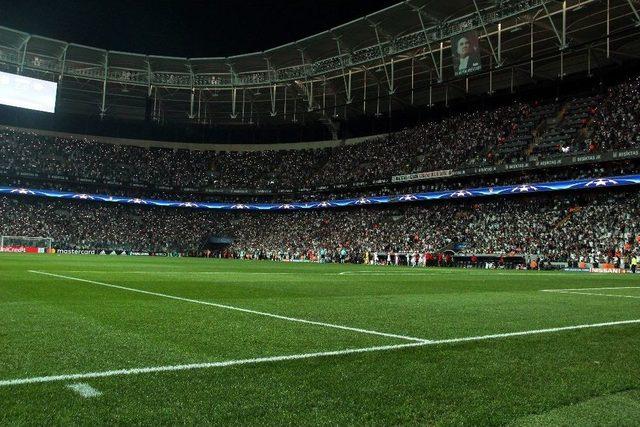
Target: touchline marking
431,272
597,295
207,365
230,307
84,390
590,289
184,272
396,272
384,273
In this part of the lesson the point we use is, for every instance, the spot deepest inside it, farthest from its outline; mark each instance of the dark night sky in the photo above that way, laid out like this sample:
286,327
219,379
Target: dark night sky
189,28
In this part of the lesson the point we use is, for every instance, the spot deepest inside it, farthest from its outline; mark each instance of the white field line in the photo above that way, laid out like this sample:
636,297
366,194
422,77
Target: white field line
591,289
386,273
401,271
186,272
431,272
230,307
597,295
207,365
84,390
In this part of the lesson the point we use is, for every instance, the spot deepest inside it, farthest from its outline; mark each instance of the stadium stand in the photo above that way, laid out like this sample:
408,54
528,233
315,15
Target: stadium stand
567,228
507,134
599,227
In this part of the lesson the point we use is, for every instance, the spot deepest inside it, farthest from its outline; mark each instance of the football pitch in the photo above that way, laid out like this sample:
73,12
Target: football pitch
115,340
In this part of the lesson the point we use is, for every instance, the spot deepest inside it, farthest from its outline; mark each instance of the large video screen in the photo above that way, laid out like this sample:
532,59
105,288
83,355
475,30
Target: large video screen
25,92
465,51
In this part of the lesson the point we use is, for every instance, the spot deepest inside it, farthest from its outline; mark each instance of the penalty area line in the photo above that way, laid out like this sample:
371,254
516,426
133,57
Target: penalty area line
230,307
208,365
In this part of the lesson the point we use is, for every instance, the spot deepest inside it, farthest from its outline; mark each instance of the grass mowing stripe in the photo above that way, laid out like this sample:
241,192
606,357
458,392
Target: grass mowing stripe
230,307
156,369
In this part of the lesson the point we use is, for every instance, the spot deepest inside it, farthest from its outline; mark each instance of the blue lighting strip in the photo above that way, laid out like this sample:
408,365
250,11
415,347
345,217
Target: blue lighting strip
505,190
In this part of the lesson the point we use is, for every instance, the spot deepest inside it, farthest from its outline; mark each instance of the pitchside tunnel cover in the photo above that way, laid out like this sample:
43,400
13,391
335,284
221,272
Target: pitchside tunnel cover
219,241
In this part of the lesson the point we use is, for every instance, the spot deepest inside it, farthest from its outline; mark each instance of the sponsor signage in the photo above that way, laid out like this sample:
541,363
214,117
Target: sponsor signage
75,252
22,249
608,270
422,176
522,166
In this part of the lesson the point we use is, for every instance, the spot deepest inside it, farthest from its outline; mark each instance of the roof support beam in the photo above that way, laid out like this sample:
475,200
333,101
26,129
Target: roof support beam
23,48
608,29
307,85
418,10
243,103
486,34
103,106
561,37
273,88
378,113
199,103
149,77
324,96
295,110
302,59
309,95
63,58
234,95
364,90
635,11
441,62
284,109
234,92
272,94
413,77
347,84
531,49
390,81
192,115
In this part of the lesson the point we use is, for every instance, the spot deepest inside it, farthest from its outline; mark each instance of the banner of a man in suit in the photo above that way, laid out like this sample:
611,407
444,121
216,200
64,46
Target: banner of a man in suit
465,52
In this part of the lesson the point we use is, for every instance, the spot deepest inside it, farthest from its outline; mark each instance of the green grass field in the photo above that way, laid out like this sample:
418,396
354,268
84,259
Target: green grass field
205,342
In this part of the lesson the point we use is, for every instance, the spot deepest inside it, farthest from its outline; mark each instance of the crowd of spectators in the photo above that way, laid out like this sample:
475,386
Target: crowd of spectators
610,169
456,141
594,225
616,123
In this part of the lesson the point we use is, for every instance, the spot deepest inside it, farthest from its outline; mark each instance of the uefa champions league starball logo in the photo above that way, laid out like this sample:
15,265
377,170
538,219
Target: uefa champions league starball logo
82,196
461,193
524,188
602,182
22,191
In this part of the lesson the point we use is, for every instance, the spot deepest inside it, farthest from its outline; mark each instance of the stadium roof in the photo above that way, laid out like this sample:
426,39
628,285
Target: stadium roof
393,58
